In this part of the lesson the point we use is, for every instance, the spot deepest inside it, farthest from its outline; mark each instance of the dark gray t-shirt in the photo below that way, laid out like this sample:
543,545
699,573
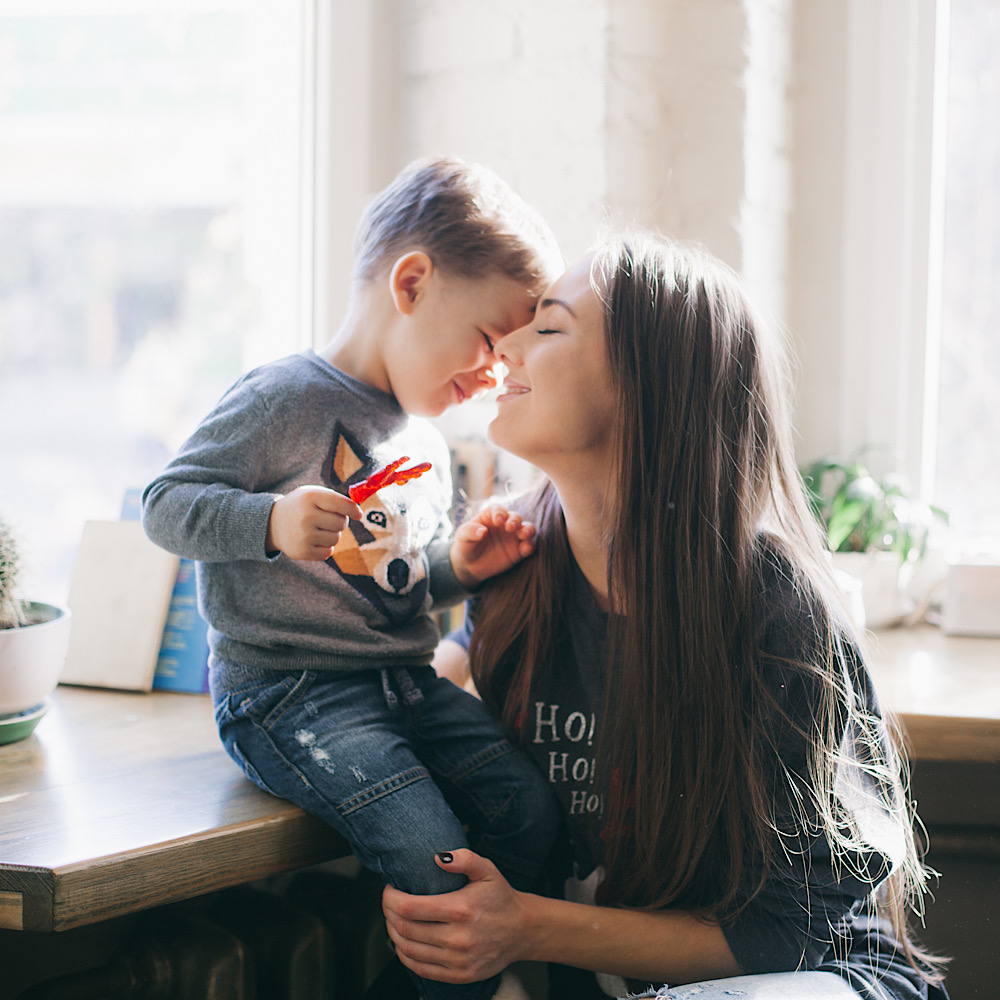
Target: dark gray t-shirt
811,912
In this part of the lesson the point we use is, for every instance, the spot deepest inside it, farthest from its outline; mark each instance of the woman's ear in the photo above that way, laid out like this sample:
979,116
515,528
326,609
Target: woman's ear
408,280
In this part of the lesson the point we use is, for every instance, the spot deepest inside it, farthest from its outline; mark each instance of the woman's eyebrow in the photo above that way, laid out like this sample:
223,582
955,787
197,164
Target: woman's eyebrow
545,303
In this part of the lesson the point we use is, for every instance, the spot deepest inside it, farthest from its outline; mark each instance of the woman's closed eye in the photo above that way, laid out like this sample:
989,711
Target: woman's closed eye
543,333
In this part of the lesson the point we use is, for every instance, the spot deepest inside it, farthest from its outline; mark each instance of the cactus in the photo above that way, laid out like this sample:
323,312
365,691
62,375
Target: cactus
11,606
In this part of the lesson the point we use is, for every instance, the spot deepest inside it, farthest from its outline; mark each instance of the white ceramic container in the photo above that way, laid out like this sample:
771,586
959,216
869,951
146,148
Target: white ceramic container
32,657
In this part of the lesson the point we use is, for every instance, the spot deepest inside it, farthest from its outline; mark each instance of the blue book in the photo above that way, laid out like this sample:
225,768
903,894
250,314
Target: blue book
182,664
183,661
131,505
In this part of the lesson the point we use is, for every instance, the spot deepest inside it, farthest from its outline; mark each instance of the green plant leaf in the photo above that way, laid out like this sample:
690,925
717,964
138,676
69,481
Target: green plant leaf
860,512
845,515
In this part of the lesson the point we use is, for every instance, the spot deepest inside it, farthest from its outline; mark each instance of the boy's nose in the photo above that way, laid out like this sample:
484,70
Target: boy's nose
488,377
474,384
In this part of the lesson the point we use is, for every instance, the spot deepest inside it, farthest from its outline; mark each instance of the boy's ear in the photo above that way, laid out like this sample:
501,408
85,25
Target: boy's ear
408,280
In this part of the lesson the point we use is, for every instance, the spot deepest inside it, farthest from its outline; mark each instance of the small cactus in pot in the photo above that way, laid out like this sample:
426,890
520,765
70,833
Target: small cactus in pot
11,606
34,637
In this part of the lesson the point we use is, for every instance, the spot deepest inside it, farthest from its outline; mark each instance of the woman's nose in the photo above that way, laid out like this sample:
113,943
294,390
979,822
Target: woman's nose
508,348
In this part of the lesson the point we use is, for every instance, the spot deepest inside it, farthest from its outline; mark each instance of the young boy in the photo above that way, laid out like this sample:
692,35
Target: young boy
318,607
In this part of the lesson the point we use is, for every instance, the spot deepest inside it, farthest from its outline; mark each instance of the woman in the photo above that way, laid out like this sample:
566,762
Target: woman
675,660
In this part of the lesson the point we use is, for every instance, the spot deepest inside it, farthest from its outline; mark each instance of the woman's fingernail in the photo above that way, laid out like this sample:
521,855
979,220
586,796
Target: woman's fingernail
446,857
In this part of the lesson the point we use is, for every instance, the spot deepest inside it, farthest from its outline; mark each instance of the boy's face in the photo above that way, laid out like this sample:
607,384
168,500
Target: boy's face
445,354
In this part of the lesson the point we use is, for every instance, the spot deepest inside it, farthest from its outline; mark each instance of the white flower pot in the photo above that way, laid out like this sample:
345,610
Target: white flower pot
878,574
32,657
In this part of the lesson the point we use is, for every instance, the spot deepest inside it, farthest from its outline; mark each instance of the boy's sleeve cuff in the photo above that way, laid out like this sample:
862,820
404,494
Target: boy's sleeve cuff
445,588
245,529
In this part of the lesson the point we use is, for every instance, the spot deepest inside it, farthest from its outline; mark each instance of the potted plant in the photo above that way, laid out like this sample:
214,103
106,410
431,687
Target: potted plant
876,530
34,637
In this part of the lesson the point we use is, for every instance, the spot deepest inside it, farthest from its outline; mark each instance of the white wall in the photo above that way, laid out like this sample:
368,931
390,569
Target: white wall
730,122
596,110
815,314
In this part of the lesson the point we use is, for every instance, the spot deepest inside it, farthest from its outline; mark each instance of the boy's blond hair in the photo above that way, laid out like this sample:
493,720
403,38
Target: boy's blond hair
464,217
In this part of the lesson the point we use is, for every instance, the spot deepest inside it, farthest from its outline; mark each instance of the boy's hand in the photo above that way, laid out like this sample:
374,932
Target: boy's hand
306,523
490,543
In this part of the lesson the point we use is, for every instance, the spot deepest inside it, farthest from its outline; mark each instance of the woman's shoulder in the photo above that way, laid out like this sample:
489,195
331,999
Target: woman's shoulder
802,641
789,614
794,603
806,648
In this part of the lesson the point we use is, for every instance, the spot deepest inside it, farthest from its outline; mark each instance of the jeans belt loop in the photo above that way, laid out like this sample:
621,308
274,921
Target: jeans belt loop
390,696
412,695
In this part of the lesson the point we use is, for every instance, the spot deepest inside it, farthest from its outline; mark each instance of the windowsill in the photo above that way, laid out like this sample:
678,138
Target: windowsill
945,690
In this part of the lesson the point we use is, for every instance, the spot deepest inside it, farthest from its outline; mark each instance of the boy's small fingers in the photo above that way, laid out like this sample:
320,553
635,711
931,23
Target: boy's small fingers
347,508
332,502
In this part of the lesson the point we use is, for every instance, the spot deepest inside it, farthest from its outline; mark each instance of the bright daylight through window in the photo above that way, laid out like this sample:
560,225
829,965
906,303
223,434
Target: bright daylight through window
968,453
151,186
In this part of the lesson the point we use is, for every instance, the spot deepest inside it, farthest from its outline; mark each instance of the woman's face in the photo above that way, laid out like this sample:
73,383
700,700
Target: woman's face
558,403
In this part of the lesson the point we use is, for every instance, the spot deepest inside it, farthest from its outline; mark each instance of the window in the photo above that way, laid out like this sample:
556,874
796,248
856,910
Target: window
152,196
967,467
920,360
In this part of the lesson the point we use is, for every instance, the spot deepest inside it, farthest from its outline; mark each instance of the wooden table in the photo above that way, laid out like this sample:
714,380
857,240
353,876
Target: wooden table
944,689
120,802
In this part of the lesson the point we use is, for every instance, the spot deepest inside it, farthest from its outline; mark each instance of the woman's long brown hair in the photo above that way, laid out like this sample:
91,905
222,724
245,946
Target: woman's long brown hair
705,468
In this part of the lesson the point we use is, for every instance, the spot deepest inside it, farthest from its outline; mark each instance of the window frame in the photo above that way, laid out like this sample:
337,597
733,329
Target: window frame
896,117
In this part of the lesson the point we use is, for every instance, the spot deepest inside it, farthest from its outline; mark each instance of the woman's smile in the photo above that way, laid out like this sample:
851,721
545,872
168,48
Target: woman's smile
511,389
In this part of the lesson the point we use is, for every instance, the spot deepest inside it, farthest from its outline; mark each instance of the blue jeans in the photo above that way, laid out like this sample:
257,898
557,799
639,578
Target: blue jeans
396,761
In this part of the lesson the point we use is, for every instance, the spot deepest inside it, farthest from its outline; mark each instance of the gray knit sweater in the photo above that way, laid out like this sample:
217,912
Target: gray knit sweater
300,421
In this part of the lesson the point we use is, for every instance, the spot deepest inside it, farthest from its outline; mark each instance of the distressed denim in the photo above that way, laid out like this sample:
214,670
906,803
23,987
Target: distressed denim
397,761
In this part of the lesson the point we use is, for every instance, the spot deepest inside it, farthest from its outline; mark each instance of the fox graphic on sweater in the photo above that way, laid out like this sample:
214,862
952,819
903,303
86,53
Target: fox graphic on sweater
382,556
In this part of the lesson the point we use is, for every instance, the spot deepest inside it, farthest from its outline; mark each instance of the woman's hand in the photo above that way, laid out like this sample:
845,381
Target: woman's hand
471,934
490,543
462,936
